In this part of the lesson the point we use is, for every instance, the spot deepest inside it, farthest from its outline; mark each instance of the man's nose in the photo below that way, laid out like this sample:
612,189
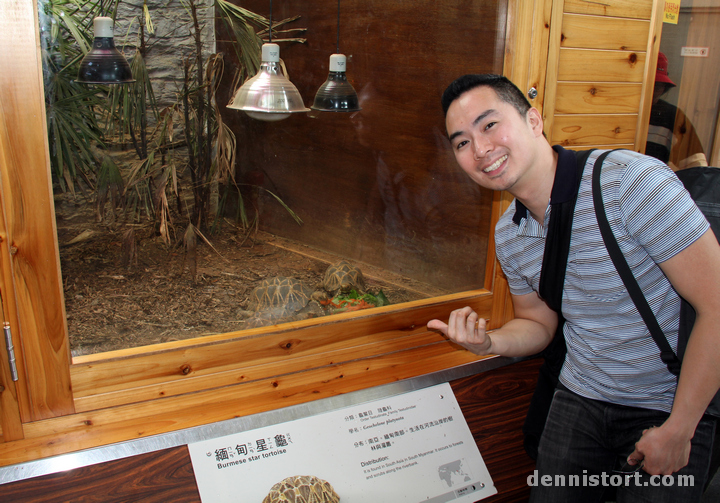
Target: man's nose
481,148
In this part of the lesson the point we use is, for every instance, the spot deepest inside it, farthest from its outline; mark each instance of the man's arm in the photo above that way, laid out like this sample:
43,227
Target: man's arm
695,274
528,333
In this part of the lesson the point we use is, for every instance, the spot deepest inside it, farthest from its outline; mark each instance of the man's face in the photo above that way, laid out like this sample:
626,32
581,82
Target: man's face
659,89
492,142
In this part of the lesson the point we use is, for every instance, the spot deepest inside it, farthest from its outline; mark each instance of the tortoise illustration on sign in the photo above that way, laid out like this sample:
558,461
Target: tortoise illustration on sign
302,489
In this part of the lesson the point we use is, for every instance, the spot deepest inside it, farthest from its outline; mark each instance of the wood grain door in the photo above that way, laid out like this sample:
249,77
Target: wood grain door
601,57
30,272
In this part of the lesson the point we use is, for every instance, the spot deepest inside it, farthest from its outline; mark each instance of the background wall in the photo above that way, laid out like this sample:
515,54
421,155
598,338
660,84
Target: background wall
379,186
697,27
168,44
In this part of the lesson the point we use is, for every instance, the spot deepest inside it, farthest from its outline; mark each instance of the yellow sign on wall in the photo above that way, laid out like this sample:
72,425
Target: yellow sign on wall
672,11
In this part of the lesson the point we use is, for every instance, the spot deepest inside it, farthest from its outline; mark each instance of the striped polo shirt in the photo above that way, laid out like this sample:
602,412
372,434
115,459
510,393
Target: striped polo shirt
611,355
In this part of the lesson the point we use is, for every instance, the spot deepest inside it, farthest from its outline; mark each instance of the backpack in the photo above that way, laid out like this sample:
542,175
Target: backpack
703,184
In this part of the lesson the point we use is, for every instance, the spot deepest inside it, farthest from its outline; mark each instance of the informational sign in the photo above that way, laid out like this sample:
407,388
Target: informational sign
671,13
415,447
694,52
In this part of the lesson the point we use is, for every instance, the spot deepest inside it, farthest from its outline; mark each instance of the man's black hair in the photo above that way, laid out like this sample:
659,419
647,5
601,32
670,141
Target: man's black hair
506,90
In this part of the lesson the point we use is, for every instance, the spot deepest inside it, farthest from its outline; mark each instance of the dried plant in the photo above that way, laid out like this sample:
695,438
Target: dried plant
73,130
186,137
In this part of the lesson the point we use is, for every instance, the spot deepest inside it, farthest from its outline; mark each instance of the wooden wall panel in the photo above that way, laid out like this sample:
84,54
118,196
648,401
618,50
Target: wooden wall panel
494,404
602,55
590,32
183,390
589,97
638,9
124,377
571,130
156,477
600,66
379,186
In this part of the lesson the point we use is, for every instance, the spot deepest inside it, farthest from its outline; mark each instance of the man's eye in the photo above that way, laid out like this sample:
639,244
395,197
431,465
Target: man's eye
489,125
460,144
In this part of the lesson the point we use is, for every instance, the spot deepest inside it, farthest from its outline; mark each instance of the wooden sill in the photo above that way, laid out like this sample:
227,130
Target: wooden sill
133,394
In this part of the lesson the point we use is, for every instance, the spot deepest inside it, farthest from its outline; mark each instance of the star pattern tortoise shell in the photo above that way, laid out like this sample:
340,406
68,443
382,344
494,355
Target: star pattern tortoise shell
275,299
343,277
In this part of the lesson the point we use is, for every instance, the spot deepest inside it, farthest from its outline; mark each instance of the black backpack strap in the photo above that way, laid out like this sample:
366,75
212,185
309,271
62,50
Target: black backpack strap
666,353
557,242
552,279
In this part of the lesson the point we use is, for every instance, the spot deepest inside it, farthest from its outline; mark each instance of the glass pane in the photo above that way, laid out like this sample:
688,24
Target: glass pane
684,116
378,188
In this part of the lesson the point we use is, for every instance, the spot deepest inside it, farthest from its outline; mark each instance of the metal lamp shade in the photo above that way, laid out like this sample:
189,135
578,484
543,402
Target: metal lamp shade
269,95
104,64
336,94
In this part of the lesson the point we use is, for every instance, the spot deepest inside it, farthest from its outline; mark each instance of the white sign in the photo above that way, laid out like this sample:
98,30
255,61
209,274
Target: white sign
415,447
696,52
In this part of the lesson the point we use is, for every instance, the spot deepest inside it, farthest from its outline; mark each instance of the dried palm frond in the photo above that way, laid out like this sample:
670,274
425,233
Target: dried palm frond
129,248
294,215
190,244
148,20
163,211
241,23
128,107
109,186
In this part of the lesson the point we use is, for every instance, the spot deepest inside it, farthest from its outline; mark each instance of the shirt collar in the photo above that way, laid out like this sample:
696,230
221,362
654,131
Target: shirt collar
564,184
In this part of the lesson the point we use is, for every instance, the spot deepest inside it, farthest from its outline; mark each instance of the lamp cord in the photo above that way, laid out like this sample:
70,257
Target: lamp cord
338,29
270,24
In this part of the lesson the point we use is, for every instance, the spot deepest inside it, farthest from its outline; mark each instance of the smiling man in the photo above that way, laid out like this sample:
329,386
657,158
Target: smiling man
616,401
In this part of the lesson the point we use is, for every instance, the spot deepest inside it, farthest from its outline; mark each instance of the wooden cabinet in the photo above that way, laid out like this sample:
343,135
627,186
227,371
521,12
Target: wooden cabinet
592,91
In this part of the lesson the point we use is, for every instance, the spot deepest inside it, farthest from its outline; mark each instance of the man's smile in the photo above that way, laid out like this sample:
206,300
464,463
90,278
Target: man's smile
495,165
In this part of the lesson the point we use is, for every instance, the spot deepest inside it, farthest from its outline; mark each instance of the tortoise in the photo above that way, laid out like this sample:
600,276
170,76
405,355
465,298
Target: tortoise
341,277
302,489
279,299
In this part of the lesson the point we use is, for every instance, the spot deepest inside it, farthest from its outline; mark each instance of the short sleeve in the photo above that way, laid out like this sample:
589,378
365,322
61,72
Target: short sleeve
657,210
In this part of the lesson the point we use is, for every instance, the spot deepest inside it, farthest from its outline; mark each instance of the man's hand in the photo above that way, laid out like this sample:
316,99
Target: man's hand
466,328
528,333
662,452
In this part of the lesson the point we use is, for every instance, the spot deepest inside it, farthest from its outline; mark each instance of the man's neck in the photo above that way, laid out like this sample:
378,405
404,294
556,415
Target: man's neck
536,188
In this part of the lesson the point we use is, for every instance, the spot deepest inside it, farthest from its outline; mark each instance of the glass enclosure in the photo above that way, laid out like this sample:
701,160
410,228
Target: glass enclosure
188,213
684,117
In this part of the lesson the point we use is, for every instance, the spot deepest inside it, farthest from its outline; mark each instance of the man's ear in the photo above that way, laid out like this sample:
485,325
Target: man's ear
535,121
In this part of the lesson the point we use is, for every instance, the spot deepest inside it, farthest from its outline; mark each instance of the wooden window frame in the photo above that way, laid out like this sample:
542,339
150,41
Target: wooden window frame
62,404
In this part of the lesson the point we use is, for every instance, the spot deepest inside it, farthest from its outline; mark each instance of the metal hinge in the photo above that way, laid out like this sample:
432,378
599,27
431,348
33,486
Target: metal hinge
10,350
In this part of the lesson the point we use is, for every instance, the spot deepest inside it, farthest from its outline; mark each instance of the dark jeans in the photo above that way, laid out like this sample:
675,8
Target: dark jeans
585,445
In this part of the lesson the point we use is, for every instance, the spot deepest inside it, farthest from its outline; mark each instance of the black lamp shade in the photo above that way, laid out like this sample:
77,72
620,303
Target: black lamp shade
104,64
336,94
